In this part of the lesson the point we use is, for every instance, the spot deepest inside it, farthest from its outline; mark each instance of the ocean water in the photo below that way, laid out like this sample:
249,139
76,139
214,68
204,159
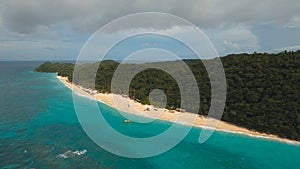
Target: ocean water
39,129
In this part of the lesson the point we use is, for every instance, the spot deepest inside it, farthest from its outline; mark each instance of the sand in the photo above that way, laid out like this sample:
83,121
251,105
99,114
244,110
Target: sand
128,105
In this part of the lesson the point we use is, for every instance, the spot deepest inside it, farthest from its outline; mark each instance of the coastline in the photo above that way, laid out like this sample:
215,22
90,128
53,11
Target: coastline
131,106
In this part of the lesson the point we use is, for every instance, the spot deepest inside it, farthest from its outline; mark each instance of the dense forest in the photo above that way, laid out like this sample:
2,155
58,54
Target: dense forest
263,90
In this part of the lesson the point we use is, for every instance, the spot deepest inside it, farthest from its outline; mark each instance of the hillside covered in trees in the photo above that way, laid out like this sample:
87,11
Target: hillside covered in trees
263,90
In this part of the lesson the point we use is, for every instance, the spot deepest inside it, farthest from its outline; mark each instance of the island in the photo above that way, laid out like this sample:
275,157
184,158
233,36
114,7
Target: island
262,91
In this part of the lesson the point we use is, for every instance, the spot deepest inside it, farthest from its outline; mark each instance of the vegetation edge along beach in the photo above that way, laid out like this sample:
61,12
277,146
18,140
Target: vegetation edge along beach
252,105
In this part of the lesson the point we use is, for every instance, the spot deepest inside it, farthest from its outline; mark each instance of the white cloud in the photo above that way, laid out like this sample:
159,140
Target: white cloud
226,40
232,45
37,50
294,22
288,48
89,15
234,39
225,22
41,32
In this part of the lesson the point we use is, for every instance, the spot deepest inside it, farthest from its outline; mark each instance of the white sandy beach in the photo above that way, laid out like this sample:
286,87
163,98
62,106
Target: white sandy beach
130,106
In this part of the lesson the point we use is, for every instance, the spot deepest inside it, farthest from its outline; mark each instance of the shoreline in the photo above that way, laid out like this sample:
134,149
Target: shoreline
130,106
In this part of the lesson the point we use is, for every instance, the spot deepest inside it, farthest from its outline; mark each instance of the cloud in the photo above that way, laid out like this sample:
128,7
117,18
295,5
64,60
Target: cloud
294,22
38,50
233,26
234,39
87,16
232,45
289,48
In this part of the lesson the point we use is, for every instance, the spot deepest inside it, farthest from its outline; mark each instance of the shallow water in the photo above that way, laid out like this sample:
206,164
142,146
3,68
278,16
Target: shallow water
39,129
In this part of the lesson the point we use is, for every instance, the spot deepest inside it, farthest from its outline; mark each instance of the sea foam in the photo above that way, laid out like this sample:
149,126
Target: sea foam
71,154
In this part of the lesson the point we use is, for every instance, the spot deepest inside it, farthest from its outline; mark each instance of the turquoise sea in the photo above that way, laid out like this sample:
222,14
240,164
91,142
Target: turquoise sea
39,129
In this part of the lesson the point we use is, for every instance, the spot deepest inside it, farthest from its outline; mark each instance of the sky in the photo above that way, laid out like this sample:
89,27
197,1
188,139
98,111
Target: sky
58,29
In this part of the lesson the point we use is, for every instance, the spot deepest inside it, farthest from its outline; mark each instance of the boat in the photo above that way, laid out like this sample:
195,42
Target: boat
127,121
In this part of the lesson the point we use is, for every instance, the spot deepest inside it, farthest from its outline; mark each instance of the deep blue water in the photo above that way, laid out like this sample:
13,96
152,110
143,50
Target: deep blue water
38,126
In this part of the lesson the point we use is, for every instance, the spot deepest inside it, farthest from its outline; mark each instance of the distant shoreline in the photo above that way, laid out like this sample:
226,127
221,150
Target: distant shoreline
130,106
